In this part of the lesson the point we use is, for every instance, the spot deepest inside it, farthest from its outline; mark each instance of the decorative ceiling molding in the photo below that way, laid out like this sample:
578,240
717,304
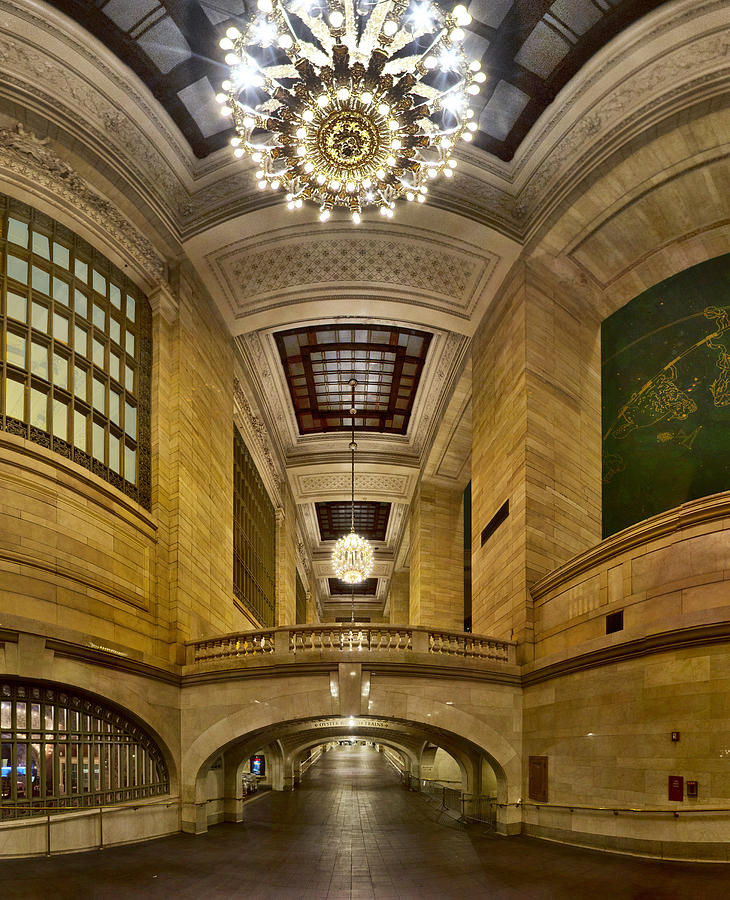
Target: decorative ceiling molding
293,264
81,87
336,485
24,159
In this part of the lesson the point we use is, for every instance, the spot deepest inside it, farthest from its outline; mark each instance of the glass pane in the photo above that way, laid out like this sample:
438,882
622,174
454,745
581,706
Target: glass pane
98,353
17,306
115,330
80,340
79,429
21,716
99,317
60,328
49,769
14,399
17,269
130,460
62,770
41,245
98,442
60,370
21,770
130,307
41,280
5,713
129,378
99,396
60,419
35,716
60,290
130,420
80,383
115,295
81,270
114,366
39,360
18,232
99,283
34,781
60,255
16,350
130,343
80,303
49,717
38,408
114,456
114,406
39,317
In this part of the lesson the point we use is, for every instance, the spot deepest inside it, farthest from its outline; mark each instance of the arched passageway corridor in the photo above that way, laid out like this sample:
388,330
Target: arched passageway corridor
351,831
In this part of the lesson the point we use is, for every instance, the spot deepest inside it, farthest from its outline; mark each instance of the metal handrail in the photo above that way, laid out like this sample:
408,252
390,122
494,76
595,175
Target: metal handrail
616,809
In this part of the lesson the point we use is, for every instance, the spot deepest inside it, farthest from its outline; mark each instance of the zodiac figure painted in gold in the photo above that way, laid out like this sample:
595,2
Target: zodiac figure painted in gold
662,399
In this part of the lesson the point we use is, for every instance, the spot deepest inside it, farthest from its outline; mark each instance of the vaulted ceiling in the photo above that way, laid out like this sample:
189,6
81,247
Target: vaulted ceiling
528,48
392,304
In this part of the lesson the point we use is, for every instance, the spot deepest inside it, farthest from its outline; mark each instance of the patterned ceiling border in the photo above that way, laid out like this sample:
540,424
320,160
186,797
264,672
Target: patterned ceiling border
413,265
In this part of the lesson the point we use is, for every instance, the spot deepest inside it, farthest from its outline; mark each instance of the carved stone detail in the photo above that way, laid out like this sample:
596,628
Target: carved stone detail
339,482
258,429
24,154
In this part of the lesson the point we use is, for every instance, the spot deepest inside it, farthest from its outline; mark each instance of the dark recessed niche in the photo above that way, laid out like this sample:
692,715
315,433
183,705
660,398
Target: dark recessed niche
615,622
495,522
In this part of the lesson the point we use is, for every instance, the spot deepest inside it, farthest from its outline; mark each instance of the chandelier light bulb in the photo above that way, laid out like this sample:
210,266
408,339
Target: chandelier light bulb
327,119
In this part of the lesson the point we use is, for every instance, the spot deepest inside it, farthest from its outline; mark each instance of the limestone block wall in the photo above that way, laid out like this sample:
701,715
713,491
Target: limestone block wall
606,733
436,588
399,598
74,553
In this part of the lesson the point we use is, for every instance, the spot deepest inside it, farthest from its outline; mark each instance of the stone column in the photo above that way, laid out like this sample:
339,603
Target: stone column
399,596
437,558
536,445
286,564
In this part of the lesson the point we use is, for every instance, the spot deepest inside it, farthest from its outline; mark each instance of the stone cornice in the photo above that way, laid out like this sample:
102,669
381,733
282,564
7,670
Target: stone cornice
707,509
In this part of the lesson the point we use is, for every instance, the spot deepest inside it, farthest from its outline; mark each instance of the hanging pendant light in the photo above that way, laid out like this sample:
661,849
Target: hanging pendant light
352,557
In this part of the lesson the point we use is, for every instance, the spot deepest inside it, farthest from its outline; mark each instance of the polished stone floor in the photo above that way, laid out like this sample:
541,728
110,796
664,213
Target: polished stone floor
351,831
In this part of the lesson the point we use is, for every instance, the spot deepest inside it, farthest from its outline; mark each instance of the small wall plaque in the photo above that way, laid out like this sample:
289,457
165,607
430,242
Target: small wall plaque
676,787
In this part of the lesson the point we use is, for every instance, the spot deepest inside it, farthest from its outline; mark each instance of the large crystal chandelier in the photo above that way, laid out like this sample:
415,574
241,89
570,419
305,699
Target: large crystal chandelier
352,557
350,103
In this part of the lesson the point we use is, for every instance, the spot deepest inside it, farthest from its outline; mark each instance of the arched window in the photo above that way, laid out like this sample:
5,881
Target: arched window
60,750
75,358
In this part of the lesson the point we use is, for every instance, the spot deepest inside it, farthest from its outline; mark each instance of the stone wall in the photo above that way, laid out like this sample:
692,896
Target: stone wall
436,589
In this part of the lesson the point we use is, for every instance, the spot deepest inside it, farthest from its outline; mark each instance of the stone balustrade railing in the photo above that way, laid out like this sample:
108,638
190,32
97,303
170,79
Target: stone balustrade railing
399,642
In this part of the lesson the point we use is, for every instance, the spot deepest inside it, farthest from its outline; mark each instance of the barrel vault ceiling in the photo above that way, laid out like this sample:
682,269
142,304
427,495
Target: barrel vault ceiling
393,304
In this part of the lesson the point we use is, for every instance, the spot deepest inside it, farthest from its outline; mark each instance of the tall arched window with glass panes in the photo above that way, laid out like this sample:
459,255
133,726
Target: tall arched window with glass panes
76,350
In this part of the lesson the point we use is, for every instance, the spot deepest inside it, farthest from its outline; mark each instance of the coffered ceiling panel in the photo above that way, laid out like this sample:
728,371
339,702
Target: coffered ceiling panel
367,588
371,519
320,361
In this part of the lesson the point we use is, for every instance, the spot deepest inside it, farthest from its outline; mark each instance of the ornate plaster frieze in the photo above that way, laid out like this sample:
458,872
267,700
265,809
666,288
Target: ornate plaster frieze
79,85
257,440
337,484
286,266
24,156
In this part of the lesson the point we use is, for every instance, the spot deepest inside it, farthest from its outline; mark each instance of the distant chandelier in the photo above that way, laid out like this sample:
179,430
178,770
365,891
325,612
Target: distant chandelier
352,557
350,103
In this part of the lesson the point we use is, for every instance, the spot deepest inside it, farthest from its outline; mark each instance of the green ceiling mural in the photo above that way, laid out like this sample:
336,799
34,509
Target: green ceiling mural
666,396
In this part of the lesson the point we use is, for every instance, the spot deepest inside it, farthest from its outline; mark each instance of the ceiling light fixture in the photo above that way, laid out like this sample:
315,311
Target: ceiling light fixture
352,557
349,106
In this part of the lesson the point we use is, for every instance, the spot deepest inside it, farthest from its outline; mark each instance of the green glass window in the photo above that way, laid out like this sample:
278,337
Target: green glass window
62,750
254,538
69,320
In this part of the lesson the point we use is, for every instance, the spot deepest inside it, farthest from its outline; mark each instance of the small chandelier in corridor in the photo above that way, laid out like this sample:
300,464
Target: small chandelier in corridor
352,557
350,105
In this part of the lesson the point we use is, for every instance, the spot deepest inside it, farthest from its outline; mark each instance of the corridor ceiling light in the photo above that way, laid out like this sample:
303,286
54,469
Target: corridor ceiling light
345,105
352,557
